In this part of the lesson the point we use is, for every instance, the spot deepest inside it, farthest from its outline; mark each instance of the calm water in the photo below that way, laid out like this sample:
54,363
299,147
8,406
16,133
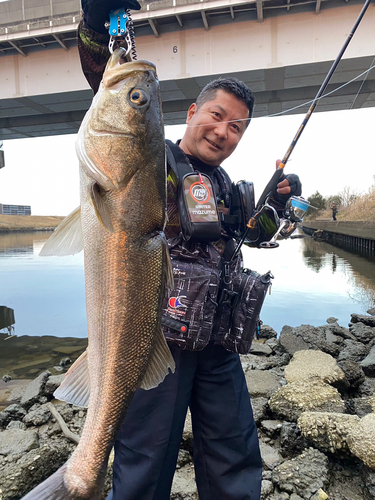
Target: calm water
313,281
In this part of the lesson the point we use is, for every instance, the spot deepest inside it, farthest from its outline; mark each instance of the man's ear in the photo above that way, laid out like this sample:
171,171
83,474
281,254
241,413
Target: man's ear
191,112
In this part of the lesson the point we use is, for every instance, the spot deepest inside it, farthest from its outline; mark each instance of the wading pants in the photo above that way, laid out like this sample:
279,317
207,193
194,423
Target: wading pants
226,450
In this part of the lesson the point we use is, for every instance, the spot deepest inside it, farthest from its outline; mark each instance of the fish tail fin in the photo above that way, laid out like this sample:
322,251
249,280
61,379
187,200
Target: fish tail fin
52,488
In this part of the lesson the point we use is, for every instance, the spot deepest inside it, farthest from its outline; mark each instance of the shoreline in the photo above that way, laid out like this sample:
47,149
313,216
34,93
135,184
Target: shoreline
24,223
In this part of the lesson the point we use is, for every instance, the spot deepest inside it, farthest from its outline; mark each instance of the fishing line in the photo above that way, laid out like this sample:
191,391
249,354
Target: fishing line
360,88
300,105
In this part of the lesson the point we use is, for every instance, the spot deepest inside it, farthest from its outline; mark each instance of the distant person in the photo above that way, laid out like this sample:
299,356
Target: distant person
334,211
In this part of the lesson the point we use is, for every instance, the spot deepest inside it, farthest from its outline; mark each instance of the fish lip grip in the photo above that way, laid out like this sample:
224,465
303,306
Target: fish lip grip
119,34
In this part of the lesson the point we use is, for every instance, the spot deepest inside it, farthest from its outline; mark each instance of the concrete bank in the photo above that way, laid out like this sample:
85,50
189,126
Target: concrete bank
354,235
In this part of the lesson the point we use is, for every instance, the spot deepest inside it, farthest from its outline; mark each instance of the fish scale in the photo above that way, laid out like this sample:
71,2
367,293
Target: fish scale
121,219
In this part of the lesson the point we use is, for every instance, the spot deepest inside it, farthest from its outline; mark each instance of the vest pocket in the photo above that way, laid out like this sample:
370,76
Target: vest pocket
239,310
189,308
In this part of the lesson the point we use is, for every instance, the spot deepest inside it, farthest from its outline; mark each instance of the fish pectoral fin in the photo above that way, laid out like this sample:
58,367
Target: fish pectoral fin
67,238
168,277
101,208
160,362
75,388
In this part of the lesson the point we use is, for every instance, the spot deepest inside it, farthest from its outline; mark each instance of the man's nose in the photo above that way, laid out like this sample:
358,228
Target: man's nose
221,130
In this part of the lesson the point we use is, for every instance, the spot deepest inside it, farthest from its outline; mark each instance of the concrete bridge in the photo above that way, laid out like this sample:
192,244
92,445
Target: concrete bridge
282,49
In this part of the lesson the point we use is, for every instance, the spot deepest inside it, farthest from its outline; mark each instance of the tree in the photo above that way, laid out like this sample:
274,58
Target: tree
317,201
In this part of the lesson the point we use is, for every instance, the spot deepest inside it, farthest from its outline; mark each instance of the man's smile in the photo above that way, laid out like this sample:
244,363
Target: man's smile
213,144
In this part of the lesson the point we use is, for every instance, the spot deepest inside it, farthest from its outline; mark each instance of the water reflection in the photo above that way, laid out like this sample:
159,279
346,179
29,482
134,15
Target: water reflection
46,292
358,270
313,281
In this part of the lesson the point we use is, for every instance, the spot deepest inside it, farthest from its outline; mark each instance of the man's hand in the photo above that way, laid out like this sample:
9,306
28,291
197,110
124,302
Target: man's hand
96,12
289,185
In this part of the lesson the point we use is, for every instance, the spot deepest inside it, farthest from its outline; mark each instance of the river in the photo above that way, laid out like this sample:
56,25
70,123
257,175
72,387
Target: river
313,281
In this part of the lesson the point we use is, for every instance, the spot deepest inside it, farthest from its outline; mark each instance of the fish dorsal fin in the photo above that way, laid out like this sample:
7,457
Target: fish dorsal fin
67,238
160,362
75,388
101,208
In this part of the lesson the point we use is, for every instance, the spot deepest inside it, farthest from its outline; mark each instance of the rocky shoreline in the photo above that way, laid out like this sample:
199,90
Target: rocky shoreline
313,396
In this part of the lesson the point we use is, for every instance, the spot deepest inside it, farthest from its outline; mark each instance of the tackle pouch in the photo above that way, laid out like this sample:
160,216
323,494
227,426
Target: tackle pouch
189,308
199,219
240,303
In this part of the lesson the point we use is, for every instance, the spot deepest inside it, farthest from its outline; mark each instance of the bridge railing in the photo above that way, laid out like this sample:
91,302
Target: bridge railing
26,15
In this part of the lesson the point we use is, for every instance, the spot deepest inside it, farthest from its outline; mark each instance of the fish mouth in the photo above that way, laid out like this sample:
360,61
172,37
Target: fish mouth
120,68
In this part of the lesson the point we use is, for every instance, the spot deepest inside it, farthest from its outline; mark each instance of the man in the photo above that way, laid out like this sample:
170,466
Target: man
334,211
208,380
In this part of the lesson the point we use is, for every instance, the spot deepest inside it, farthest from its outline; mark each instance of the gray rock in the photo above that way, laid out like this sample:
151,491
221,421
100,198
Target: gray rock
291,343
305,395
303,475
363,406
16,424
267,332
259,348
352,350
259,406
368,364
309,364
16,441
261,383
11,412
367,388
267,489
353,373
371,311
271,427
53,383
184,486
270,456
35,390
17,479
361,318
362,332
331,319
37,417
292,441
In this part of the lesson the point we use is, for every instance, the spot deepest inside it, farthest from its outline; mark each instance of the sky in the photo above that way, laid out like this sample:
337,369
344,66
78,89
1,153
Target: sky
334,152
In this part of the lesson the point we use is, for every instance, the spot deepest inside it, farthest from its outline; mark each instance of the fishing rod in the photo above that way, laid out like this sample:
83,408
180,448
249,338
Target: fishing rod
271,186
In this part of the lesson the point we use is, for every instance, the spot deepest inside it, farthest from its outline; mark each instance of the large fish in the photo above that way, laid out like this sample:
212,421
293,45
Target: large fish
120,221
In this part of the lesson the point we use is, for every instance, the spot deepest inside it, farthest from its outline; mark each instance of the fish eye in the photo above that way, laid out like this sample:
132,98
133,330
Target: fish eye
138,97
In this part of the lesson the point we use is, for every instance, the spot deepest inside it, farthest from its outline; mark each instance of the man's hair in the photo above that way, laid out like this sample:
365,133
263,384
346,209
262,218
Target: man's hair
230,85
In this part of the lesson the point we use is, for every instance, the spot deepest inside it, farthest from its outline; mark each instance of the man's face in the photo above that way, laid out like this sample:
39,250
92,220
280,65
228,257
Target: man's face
213,131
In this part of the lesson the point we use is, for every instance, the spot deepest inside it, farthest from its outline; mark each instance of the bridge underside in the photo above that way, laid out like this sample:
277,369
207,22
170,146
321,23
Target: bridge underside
61,113
214,38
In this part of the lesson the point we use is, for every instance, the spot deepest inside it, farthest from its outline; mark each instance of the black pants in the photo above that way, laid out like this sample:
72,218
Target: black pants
226,450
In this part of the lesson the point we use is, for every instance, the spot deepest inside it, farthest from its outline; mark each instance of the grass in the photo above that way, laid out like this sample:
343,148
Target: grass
363,209
28,222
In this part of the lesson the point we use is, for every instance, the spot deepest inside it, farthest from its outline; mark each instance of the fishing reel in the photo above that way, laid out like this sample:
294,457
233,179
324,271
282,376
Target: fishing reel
121,32
294,212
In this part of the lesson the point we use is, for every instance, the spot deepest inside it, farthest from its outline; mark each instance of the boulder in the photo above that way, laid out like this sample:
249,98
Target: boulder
293,399
261,383
328,431
303,475
309,364
361,440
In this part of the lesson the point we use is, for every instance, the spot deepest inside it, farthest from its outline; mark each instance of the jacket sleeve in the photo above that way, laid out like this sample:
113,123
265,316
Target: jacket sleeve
94,54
